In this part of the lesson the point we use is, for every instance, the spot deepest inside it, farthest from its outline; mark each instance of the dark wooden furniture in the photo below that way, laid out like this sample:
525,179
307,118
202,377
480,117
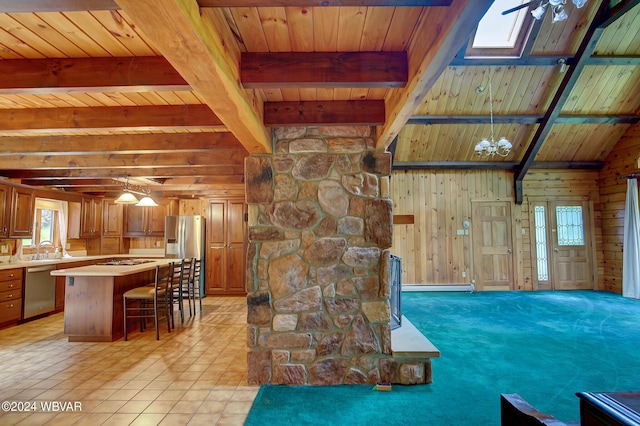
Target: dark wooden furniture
226,254
93,308
609,408
10,295
150,301
515,411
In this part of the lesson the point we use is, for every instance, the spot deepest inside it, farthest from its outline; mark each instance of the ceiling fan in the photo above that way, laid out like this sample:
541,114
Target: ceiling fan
557,8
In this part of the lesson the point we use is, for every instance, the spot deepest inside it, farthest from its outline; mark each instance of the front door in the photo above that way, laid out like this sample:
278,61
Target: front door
492,245
562,245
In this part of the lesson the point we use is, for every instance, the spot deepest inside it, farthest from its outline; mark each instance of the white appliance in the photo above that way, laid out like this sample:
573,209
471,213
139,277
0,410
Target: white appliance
184,237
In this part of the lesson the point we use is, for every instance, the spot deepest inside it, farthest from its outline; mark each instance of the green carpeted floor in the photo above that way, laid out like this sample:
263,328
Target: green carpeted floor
546,346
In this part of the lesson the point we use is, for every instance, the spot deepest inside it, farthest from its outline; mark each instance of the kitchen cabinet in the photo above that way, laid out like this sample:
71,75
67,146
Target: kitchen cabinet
60,281
148,221
5,210
112,214
91,217
22,209
226,248
10,295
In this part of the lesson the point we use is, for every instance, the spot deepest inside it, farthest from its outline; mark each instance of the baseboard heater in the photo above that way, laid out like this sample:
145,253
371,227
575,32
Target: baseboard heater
439,287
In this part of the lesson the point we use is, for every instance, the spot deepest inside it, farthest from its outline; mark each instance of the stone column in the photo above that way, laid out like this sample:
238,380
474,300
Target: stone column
320,224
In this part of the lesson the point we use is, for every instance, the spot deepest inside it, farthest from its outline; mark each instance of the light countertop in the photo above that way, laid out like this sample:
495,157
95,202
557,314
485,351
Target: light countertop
54,261
109,270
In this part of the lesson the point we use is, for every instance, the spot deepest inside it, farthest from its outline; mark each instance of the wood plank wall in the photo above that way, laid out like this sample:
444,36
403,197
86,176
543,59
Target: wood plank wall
552,185
432,252
622,160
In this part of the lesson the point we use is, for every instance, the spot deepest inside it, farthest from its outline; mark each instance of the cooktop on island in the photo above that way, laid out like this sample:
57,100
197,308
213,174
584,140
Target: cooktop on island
125,262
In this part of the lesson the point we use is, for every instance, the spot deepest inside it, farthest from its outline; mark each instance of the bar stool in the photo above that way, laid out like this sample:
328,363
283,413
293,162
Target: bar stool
149,301
176,290
195,284
185,284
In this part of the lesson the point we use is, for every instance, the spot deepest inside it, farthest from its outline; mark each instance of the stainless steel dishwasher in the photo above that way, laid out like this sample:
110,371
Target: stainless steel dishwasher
39,291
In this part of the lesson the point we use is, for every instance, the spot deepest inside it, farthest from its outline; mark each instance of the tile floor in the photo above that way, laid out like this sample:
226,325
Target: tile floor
194,375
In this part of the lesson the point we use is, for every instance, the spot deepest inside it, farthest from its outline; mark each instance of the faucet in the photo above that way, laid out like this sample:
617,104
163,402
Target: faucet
43,243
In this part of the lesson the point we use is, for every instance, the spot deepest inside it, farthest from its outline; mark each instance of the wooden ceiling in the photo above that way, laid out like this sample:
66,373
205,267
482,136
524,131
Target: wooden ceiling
175,93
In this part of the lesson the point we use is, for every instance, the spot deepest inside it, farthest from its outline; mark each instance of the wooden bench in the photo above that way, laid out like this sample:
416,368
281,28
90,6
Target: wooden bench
515,411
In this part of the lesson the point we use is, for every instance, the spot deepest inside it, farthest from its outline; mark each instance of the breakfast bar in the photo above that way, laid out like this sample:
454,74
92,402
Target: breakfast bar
93,309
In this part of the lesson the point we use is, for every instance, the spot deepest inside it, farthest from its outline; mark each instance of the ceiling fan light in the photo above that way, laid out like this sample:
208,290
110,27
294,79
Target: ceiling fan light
556,2
579,3
559,14
538,12
126,198
146,202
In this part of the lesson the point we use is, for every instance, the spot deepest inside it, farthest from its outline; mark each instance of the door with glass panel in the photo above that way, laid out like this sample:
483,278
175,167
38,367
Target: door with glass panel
562,241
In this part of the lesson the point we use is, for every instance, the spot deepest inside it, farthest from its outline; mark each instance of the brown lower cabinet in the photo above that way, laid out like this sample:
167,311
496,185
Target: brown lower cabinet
226,248
10,295
60,281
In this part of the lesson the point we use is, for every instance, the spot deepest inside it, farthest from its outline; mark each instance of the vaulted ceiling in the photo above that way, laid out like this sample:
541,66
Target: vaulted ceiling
175,93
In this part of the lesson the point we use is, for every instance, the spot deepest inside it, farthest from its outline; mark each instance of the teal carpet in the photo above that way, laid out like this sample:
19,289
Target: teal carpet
546,346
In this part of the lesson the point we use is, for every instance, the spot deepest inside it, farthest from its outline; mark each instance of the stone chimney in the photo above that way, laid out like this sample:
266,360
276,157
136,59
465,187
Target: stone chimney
320,227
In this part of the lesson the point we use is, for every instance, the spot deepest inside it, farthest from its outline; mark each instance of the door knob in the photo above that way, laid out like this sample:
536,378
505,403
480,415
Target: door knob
555,250
509,251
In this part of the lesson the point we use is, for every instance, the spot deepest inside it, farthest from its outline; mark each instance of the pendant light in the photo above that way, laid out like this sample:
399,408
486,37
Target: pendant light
128,197
489,148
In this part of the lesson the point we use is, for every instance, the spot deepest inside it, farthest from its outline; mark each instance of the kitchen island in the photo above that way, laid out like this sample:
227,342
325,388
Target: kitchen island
93,307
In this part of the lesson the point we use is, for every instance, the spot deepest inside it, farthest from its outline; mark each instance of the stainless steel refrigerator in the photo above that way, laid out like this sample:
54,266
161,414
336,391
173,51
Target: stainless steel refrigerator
184,238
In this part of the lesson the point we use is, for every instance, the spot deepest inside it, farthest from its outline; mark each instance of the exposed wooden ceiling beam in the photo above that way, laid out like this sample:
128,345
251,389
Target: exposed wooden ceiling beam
545,61
16,6
193,43
320,3
524,119
51,120
89,75
494,165
67,183
368,113
439,34
151,172
586,48
117,187
118,144
323,69
125,161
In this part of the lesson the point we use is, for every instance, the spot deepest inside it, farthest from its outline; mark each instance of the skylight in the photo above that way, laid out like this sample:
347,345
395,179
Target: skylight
501,36
500,31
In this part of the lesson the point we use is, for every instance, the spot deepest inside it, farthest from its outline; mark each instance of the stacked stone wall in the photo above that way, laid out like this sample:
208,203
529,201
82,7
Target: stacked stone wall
320,227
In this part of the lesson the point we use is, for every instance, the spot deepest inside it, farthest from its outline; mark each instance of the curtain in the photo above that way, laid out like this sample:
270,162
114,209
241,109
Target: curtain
63,214
631,243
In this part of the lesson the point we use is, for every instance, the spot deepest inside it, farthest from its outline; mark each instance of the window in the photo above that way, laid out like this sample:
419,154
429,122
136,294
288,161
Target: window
570,226
501,36
542,261
48,223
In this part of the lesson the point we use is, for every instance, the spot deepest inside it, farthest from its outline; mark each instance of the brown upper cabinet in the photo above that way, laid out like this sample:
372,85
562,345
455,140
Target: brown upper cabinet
148,221
5,210
22,208
111,218
90,221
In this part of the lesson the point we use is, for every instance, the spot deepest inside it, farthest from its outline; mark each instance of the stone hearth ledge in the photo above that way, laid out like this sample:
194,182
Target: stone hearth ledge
408,342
